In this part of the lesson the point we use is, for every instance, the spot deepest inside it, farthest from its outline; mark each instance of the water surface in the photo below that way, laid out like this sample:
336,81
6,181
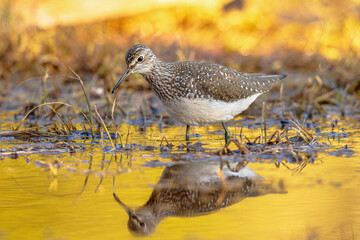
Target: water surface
76,202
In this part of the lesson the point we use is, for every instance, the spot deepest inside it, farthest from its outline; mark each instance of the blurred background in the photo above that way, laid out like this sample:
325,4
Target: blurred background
302,38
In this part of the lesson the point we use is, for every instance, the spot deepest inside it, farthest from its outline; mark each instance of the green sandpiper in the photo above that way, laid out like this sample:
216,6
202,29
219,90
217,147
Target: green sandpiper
197,93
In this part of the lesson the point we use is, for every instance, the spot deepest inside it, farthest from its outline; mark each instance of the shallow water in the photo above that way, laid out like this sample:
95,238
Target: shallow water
261,201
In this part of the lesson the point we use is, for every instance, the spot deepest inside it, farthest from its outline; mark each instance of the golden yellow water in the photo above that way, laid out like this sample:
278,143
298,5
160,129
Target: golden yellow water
322,201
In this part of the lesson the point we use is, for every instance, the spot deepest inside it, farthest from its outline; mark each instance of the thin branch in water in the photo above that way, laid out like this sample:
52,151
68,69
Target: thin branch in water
87,175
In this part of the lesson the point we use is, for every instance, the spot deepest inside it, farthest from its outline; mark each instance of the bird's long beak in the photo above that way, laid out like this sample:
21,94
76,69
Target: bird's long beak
126,73
128,210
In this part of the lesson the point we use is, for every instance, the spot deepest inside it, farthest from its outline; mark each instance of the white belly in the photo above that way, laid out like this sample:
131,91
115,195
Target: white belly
200,112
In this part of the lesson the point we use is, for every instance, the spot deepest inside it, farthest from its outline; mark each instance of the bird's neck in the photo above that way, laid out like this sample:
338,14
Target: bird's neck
160,79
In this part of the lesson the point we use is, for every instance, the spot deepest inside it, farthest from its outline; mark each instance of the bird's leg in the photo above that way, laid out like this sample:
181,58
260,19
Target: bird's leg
227,133
187,137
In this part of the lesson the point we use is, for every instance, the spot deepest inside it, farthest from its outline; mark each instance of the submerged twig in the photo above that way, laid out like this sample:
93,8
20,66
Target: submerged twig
128,138
88,174
302,131
243,149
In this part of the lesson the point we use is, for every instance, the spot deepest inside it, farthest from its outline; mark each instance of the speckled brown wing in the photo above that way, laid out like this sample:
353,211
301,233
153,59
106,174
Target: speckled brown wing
216,82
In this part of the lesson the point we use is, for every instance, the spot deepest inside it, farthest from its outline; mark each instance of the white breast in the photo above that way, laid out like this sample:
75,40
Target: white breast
200,112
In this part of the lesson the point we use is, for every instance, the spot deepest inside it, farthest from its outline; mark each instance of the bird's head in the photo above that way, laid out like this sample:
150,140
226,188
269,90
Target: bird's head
139,59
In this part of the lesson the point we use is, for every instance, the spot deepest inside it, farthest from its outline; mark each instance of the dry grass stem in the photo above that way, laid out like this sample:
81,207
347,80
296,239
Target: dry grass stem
49,104
87,101
117,133
104,126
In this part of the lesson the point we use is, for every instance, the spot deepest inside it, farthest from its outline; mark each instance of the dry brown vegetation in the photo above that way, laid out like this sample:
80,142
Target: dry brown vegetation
311,38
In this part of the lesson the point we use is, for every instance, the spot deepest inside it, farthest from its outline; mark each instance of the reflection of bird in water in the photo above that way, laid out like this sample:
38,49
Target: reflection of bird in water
192,189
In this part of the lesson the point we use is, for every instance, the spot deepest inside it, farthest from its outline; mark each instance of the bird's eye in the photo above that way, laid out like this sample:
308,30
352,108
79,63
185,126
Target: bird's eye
140,58
142,224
